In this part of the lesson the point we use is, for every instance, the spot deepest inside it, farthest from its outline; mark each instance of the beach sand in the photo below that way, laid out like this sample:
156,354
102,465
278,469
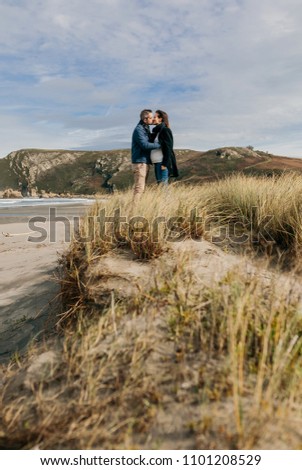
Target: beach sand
31,241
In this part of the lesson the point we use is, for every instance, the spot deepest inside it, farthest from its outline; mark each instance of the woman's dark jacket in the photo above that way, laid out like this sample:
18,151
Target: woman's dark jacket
165,138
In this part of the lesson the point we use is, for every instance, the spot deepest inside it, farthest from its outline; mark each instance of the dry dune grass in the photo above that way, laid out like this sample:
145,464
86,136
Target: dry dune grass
177,363
177,366
262,215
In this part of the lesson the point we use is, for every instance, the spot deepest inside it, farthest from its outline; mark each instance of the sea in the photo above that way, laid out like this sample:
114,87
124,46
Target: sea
12,210
39,202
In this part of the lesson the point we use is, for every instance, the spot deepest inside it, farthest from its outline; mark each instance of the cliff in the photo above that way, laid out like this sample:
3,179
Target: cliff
62,171
32,171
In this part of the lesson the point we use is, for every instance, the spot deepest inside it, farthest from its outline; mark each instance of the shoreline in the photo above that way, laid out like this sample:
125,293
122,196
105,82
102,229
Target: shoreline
13,213
28,286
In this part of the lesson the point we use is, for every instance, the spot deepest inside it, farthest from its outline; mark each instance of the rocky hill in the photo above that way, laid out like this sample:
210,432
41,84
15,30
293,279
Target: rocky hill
87,172
62,171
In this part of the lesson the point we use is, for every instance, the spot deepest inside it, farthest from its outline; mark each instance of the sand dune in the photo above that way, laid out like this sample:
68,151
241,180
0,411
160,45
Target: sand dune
28,286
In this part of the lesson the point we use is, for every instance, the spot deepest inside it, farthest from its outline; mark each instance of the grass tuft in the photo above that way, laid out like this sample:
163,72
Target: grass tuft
177,364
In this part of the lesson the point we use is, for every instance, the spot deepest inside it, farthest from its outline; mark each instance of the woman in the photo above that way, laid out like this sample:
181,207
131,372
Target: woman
164,158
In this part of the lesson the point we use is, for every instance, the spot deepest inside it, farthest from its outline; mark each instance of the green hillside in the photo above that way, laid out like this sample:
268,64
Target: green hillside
90,172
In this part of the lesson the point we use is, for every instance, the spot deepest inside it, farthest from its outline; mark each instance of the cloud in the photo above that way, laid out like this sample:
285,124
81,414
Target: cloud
76,74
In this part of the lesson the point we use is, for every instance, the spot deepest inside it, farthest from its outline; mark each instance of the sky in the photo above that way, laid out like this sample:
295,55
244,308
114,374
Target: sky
75,74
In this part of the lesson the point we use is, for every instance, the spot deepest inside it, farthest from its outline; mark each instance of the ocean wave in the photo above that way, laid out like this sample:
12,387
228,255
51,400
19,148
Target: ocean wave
28,202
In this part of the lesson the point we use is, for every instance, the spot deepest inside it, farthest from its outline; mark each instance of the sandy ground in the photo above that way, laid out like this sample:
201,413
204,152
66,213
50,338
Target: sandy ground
28,260
29,255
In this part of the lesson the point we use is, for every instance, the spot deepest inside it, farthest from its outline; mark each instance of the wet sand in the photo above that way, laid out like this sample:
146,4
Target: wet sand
31,241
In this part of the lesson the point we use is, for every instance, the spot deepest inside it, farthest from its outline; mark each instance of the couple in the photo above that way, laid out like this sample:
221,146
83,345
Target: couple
154,147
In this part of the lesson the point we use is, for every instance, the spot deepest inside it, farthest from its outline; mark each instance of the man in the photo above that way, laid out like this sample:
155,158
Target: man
140,152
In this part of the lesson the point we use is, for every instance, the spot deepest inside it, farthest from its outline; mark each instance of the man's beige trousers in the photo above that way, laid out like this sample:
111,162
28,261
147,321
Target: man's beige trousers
140,171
